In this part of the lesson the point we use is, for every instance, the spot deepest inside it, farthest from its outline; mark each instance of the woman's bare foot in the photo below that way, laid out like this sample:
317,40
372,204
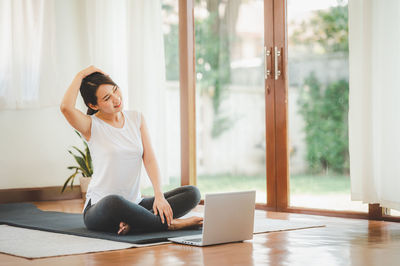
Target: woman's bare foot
123,228
186,223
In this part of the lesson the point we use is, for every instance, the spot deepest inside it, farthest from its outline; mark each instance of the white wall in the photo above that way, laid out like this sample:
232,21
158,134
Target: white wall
34,142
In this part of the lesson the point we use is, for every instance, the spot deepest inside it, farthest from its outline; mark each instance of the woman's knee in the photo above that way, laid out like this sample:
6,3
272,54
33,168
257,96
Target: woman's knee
105,213
193,194
111,205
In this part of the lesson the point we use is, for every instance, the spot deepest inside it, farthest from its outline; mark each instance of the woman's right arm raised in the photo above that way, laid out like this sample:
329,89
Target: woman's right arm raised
75,117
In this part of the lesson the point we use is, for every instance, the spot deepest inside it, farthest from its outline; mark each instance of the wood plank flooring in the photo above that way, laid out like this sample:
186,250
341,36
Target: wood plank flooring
341,242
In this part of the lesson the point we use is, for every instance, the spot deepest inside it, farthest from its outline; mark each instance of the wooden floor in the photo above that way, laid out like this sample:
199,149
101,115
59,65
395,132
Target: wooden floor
341,242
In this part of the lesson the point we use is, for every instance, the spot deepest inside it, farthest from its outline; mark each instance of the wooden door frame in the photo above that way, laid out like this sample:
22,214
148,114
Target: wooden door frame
187,79
281,105
375,212
281,130
270,125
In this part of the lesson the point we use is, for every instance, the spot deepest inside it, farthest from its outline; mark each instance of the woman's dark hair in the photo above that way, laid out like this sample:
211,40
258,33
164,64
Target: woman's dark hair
89,87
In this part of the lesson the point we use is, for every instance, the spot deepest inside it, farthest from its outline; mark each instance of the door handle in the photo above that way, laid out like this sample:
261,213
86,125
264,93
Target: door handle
267,54
277,56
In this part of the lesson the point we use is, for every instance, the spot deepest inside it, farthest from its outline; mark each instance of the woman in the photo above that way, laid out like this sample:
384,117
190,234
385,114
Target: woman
118,140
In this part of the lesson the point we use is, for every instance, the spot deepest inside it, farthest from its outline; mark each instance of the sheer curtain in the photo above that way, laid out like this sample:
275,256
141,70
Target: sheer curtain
374,101
28,76
125,39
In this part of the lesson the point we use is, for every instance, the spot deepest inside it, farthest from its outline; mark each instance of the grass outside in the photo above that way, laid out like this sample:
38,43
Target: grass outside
299,184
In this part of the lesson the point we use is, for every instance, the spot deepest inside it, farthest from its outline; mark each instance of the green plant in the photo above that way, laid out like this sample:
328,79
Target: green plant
326,29
84,161
213,68
325,110
212,43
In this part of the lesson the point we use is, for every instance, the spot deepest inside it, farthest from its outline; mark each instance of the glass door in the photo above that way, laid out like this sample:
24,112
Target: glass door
318,84
230,96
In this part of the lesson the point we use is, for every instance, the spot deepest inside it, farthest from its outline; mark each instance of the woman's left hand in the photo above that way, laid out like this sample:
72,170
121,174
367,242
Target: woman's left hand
162,207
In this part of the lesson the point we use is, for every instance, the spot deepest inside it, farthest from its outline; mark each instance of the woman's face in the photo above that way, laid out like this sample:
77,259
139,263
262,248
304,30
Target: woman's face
109,99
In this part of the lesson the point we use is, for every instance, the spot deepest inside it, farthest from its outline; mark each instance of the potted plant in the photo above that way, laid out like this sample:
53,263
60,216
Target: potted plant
85,168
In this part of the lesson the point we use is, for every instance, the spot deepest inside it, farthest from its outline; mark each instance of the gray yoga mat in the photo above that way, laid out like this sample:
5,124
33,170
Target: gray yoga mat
27,215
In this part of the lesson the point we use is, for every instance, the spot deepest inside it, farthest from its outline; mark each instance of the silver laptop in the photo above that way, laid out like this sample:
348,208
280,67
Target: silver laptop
228,217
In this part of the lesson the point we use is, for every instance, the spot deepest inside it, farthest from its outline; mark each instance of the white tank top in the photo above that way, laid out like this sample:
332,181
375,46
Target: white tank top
117,159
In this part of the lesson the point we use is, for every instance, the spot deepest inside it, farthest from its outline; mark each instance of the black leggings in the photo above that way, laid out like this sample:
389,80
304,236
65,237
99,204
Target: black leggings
108,212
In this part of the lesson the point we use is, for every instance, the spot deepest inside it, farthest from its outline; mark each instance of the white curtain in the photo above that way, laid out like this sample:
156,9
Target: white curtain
27,54
125,39
122,37
374,104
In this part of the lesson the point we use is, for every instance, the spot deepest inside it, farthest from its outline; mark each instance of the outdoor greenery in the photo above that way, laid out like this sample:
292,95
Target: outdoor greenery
327,28
84,161
213,68
324,107
212,62
325,114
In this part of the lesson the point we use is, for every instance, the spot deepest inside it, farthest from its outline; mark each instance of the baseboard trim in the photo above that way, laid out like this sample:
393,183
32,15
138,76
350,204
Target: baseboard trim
39,194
